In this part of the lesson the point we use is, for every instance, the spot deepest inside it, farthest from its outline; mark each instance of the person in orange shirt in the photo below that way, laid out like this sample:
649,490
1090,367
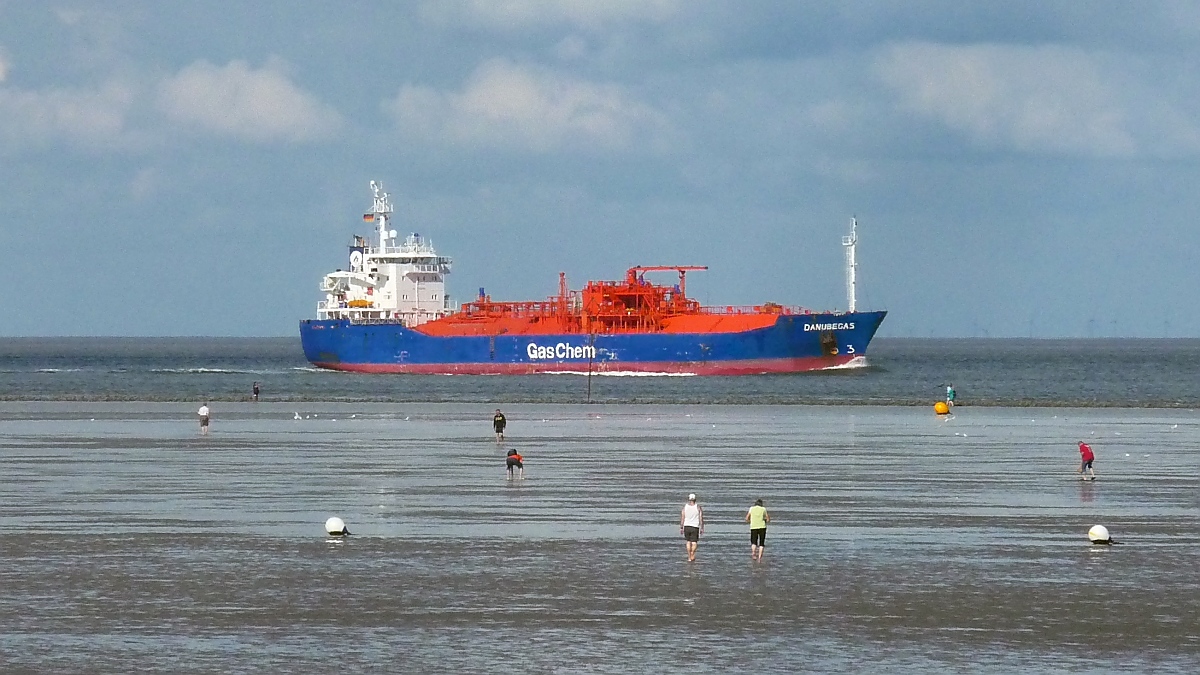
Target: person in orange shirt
515,461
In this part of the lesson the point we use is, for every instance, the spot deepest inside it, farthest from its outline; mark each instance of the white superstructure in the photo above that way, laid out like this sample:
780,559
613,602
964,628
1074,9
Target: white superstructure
394,281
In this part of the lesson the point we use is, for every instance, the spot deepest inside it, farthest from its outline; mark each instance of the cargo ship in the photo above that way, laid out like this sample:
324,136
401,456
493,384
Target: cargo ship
388,312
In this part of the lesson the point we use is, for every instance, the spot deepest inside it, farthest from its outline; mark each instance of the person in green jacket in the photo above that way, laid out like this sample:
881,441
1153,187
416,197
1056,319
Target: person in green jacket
758,518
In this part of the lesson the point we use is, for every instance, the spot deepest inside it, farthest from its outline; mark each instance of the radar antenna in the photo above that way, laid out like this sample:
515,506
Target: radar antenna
383,202
382,210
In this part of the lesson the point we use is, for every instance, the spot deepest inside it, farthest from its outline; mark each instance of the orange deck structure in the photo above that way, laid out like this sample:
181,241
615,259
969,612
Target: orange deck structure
633,305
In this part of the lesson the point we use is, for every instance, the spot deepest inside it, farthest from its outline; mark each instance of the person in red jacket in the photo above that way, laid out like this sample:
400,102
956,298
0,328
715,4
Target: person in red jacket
1085,461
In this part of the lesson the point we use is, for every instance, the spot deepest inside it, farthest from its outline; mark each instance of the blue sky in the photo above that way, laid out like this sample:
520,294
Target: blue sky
1017,168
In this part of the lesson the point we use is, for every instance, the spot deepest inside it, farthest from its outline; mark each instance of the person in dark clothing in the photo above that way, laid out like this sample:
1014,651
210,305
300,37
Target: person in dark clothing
498,423
514,461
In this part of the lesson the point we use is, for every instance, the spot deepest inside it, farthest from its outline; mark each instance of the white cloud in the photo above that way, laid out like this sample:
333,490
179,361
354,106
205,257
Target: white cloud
507,105
93,117
1037,99
509,14
239,101
3,66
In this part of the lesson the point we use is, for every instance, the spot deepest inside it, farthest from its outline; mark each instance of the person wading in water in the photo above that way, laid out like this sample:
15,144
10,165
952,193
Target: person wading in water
758,518
514,460
691,525
498,423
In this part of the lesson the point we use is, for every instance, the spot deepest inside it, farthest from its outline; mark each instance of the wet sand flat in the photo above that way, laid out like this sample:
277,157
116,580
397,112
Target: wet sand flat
898,540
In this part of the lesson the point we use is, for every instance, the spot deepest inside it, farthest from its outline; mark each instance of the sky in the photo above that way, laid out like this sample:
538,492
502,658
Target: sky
1017,169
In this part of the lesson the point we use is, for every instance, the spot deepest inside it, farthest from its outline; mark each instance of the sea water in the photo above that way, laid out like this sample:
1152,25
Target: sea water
1080,373
900,541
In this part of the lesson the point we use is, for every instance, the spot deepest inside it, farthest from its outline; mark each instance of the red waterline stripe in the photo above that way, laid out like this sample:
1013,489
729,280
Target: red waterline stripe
746,367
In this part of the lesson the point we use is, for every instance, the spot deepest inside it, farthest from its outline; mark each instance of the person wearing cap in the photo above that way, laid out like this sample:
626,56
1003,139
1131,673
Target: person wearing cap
691,525
1086,457
498,423
758,518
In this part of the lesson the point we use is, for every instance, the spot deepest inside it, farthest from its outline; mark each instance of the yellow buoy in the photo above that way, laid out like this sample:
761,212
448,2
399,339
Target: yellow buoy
941,408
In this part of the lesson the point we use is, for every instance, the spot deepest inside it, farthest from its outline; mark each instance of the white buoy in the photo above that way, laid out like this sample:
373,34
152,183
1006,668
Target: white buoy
1099,535
336,527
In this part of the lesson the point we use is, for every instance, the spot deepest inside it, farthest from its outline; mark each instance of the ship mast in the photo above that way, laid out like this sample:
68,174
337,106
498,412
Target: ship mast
382,208
851,263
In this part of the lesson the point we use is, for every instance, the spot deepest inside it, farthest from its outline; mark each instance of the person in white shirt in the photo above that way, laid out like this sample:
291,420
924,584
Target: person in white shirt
203,412
691,525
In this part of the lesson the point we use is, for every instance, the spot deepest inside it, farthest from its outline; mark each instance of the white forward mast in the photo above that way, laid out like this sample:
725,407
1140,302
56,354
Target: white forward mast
851,264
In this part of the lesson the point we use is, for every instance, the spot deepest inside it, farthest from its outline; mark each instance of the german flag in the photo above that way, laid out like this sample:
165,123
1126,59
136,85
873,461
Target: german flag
368,217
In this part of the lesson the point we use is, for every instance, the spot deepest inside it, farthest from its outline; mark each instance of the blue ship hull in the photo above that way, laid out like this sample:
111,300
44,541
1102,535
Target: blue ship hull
794,343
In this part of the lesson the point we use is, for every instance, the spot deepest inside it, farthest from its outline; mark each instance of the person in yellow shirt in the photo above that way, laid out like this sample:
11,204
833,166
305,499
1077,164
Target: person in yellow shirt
758,518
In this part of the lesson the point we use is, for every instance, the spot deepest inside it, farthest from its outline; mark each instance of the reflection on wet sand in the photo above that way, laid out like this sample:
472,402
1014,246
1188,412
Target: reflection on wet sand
896,541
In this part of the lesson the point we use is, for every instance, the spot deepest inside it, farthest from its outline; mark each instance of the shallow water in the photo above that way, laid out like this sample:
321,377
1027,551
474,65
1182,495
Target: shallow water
898,540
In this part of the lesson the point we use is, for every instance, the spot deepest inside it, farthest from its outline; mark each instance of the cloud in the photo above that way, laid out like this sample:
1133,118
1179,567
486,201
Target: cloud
510,14
3,66
91,116
1049,99
503,104
236,100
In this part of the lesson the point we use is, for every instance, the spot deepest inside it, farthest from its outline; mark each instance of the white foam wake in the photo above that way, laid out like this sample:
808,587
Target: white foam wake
856,362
